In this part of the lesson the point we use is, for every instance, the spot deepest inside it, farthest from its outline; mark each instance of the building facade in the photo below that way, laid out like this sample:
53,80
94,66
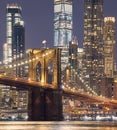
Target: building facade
80,54
73,46
109,46
73,64
62,22
13,15
14,101
109,55
18,47
93,64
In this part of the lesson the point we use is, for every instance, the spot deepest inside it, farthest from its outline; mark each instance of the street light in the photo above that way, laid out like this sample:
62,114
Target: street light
44,43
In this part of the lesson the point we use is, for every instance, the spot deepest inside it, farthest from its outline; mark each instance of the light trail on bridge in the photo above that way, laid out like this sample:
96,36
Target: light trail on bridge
76,94
23,83
84,96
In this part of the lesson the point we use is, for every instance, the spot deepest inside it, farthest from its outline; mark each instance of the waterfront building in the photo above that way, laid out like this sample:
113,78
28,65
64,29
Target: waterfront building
14,101
62,22
93,60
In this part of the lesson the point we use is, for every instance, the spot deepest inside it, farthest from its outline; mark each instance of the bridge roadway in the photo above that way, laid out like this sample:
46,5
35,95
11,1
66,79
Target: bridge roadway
22,83
90,98
70,93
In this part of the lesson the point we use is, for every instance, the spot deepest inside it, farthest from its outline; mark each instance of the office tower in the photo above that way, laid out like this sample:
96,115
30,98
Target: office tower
13,15
80,54
18,47
14,100
73,46
62,22
109,46
69,62
63,30
93,66
109,55
14,48
64,57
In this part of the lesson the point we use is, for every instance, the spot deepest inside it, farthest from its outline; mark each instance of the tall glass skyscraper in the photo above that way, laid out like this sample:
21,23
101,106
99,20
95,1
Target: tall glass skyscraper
14,100
93,44
62,22
18,47
13,15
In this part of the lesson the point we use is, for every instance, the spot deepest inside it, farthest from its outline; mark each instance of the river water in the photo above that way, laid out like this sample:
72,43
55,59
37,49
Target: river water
64,125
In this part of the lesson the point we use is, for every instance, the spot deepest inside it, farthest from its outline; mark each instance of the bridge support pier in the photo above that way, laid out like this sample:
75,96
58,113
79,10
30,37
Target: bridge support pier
53,108
46,105
36,105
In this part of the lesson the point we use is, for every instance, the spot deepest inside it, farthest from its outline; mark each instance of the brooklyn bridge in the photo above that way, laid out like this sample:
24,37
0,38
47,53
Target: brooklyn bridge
49,96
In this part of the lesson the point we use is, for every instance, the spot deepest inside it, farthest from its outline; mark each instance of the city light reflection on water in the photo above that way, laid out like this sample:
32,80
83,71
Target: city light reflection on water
68,125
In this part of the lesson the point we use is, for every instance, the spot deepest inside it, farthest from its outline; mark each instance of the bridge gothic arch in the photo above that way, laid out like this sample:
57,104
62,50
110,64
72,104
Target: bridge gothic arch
38,72
45,58
50,73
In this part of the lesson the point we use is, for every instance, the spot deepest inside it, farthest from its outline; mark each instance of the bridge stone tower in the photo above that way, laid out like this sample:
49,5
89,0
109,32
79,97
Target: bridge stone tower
45,103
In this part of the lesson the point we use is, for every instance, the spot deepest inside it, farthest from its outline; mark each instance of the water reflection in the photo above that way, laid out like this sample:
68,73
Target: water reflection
58,125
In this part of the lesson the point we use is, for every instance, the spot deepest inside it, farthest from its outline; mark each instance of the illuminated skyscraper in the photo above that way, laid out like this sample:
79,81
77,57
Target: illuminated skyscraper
62,22
73,46
18,46
109,55
80,54
93,44
14,50
13,16
109,46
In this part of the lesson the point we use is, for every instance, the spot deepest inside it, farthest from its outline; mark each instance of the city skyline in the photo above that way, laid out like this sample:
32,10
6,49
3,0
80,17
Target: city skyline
39,17
69,71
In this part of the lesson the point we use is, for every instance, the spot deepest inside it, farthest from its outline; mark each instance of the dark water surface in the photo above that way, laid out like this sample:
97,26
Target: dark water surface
64,125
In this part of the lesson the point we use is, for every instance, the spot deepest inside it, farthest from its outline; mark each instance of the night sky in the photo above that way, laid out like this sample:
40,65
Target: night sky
38,18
